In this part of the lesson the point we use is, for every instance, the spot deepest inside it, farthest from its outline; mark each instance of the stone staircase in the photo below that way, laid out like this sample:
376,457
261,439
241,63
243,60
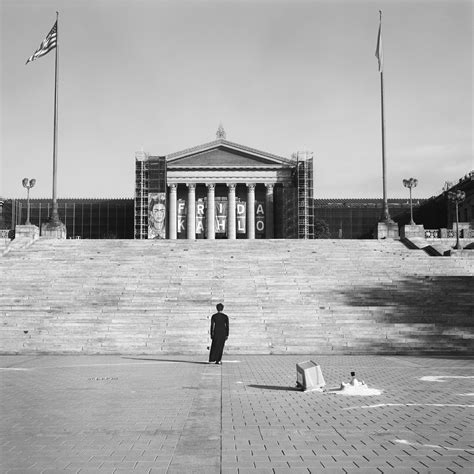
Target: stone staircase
282,296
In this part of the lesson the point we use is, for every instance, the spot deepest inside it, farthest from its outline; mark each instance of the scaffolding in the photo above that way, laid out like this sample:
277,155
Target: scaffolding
150,177
304,185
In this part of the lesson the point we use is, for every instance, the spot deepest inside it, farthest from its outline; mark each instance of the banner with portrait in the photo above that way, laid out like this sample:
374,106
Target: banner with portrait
157,216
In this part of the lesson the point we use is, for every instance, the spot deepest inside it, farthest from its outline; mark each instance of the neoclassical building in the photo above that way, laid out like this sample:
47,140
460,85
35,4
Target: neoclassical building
223,190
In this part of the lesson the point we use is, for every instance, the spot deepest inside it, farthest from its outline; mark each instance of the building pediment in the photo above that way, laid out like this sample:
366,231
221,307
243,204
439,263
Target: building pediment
224,154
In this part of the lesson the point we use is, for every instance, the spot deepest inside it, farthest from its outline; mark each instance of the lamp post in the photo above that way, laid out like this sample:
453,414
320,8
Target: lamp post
28,184
410,183
457,197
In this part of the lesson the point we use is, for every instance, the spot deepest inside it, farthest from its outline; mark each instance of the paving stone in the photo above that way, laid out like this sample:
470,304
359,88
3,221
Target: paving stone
52,417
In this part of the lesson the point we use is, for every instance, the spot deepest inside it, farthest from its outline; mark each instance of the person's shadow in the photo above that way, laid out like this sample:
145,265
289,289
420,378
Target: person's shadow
168,360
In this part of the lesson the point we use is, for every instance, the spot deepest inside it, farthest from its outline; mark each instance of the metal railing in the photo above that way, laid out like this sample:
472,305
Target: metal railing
450,234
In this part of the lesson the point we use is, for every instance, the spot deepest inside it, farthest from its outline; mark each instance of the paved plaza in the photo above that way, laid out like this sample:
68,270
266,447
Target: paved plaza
178,414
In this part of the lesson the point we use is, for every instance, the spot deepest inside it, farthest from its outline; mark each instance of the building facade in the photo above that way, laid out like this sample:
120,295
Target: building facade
223,190
357,218
84,218
439,211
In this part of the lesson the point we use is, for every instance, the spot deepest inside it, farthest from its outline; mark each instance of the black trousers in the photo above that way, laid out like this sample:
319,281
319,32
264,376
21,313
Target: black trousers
217,347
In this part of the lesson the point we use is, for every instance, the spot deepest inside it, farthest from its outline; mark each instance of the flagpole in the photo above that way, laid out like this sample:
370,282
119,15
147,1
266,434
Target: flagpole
53,228
385,212
55,215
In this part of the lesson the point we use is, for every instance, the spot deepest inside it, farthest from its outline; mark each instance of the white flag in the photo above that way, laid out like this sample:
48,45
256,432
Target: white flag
379,50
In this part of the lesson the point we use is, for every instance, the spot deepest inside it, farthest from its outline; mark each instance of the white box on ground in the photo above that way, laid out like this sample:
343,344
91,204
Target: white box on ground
309,376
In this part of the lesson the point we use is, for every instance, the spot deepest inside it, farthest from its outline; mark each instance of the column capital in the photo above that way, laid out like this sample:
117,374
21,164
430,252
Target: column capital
231,186
210,186
173,187
269,186
191,185
251,186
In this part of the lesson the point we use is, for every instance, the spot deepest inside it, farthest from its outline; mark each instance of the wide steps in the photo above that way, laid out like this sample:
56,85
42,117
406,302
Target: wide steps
283,296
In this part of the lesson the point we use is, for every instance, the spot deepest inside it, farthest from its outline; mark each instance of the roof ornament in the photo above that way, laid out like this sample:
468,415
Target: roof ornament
220,134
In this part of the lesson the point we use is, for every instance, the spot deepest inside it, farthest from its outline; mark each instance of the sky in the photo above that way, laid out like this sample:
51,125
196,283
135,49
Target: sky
281,76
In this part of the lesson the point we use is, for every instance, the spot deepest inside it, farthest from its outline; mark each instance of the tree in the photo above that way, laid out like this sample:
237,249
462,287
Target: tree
321,229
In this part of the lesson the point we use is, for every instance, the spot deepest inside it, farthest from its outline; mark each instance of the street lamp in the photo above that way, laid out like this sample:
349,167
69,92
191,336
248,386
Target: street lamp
28,184
410,183
457,197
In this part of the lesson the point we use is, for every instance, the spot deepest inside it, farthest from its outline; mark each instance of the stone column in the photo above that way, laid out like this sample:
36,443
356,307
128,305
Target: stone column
251,211
173,217
211,211
191,211
231,222
269,212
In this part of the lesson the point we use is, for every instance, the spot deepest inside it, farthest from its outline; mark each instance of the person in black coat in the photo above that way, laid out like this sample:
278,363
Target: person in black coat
219,334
